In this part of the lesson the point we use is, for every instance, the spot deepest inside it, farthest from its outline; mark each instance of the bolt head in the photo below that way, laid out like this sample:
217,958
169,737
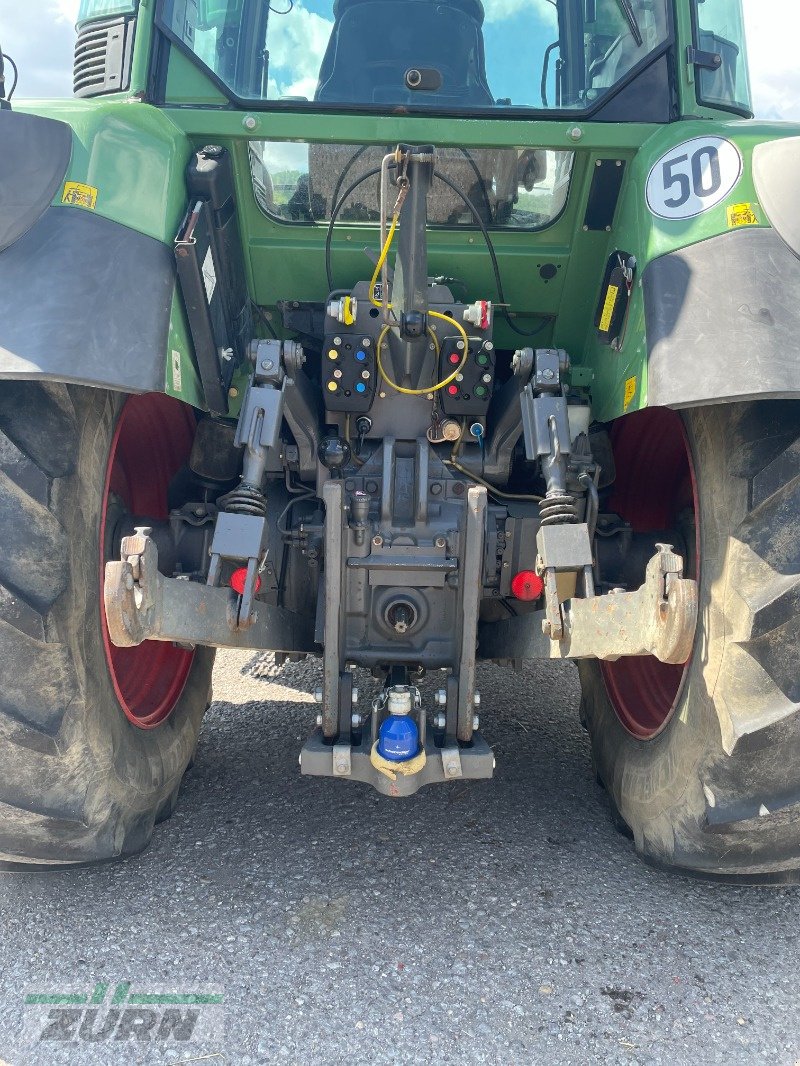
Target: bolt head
317,695
575,133
354,694
441,697
452,770
266,364
249,122
476,699
355,721
341,766
439,721
319,721
476,722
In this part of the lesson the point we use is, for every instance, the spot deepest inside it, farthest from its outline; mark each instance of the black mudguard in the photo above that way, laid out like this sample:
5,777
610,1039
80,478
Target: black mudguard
723,321
723,316
82,298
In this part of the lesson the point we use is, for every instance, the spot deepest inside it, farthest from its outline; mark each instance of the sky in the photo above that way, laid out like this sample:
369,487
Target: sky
39,35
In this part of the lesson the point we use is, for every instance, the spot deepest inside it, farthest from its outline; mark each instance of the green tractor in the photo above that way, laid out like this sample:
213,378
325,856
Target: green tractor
405,334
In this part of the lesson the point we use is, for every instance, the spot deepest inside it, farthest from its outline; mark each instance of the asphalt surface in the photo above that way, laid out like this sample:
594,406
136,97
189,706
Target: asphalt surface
496,922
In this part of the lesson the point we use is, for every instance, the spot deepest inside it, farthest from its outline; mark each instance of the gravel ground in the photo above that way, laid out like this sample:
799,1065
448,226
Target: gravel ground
496,922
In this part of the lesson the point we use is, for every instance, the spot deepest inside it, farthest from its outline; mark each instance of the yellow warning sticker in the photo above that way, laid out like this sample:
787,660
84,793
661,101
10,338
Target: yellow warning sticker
78,195
741,215
608,308
630,392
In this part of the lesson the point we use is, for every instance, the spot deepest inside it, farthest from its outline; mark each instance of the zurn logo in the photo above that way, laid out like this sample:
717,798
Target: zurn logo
120,1013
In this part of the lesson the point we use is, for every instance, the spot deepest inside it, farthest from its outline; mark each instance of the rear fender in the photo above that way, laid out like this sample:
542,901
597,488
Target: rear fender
90,202
714,308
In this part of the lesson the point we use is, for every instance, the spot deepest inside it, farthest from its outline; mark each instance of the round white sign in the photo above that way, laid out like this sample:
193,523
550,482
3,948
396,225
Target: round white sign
693,177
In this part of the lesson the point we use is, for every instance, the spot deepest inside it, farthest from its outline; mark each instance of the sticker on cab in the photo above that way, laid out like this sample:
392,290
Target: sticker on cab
177,382
741,215
76,194
608,308
693,177
630,392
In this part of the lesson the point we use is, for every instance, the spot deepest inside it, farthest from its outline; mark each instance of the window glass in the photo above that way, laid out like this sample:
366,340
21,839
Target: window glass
92,9
454,55
510,188
720,32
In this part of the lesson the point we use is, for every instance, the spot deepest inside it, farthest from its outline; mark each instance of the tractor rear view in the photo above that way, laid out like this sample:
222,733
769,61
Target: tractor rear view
404,335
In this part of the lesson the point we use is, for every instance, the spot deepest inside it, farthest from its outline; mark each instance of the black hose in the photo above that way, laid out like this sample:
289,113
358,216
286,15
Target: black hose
334,214
495,267
481,182
546,319
262,315
345,171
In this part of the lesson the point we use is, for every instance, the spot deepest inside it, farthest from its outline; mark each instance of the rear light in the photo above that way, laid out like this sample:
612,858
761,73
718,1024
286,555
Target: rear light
238,579
526,585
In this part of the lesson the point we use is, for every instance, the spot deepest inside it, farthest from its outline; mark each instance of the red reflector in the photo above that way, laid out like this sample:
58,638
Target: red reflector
526,585
238,578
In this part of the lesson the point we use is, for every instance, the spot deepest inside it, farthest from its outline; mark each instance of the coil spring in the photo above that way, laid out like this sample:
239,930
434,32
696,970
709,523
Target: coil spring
557,509
244,499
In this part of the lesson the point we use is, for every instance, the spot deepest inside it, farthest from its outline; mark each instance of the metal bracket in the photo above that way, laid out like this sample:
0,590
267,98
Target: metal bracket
141,604
341,760
319,758
240,538
451,763
707,60
332,663
658,619
471,591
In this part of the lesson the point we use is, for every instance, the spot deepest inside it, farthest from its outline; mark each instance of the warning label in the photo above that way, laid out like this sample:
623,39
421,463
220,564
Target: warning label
608,308
741,215
630,392
78,195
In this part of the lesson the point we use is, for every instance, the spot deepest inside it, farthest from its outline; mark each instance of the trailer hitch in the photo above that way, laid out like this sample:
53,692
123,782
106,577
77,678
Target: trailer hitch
142,604
657,619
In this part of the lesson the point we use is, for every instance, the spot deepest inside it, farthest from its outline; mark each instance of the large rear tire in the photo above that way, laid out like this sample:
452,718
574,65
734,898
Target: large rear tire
93,745
703,765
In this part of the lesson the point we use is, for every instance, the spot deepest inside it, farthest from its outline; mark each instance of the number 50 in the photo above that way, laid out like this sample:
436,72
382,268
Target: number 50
706,177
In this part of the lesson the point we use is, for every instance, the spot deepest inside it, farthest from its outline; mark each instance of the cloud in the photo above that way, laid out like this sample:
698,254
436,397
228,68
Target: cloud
296,45
43,57
66,10
497,10
773,31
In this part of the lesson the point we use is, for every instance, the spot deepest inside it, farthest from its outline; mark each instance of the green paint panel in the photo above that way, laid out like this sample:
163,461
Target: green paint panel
133,155
182,378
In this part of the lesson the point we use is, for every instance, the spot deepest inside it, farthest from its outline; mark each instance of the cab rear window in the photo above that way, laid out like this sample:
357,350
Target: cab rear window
507,187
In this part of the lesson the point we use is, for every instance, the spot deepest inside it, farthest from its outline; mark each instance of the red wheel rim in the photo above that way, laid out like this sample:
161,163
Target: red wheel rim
151,443
655,482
